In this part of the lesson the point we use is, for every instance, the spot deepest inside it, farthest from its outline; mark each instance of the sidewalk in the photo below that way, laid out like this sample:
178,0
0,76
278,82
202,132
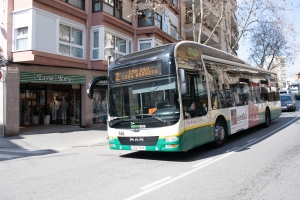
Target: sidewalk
56,137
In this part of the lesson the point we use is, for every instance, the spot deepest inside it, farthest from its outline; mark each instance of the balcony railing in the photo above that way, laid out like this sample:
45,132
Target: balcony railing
188,20
77,3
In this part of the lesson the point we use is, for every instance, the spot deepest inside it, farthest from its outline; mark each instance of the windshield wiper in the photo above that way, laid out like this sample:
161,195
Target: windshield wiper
150,115
118,120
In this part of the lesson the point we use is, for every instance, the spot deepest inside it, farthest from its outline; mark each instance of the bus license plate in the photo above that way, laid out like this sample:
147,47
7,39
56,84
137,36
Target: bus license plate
138,148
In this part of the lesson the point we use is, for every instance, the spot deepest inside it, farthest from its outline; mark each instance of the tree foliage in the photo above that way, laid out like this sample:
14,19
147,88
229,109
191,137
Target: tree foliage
269,44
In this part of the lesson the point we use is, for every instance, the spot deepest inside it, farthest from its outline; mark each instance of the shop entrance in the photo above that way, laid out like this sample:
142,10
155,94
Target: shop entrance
49,104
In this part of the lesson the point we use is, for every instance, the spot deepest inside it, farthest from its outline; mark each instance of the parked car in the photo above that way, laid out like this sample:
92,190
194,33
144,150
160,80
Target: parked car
283,91
287,102
293,91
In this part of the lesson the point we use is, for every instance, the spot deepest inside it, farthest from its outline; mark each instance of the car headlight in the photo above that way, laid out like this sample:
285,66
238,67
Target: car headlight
289,104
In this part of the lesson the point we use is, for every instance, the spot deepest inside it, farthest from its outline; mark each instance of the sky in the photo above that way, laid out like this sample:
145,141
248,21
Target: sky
244,47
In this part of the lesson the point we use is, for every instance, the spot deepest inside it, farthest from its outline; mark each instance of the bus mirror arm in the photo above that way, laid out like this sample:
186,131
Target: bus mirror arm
183,82
92,84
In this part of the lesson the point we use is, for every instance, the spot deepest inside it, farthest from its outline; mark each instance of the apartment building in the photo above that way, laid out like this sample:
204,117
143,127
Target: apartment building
225,34
51,49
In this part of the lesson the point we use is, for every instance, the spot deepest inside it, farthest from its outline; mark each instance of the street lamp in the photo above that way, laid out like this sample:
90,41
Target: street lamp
111,50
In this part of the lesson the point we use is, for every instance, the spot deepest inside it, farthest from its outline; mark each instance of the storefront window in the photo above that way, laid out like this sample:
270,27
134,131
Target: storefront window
100,105
60,102
64,103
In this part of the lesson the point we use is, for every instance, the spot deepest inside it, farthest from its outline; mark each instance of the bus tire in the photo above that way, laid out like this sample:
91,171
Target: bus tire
220,134
267,118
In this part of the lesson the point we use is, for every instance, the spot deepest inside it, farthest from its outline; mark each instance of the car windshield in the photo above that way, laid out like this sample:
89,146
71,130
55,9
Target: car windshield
150,99
294,89
286,98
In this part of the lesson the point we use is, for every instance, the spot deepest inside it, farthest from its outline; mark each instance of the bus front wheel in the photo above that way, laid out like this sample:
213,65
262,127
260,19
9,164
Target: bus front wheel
220,134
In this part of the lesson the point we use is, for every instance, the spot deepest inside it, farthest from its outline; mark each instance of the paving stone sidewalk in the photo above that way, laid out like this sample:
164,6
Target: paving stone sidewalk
56,137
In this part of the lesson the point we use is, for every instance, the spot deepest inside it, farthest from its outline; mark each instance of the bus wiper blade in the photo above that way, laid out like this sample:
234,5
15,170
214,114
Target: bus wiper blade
115,122
150,115
118,121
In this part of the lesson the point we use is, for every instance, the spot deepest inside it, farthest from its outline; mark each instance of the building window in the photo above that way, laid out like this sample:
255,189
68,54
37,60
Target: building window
108,6
76,3
175,2
22,38
145,18
70,41
173,31
96,5
95,45
157,20
119,44
145,44
119,9
112,7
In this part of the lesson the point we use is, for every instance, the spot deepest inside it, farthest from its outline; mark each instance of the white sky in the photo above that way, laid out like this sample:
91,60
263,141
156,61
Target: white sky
244,47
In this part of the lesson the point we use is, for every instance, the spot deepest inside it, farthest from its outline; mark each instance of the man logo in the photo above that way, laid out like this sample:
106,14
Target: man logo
136,139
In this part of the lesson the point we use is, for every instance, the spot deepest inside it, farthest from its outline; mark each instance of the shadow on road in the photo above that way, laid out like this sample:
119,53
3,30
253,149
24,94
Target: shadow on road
206,151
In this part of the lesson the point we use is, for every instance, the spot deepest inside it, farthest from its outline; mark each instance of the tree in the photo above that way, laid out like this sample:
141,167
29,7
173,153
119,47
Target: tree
251,12
269,46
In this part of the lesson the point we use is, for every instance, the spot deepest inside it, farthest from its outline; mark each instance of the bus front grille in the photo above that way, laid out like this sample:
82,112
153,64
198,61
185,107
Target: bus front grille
142,141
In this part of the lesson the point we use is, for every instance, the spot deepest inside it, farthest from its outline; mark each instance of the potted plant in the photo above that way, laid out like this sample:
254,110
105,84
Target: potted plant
46,114
35,116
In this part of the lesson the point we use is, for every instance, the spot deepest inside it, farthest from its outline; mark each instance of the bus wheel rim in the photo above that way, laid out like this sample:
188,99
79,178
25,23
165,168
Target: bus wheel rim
219,133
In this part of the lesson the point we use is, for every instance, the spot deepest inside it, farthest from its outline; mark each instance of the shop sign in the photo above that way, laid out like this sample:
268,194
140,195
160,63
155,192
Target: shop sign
102,82
13,70
56,78
51,78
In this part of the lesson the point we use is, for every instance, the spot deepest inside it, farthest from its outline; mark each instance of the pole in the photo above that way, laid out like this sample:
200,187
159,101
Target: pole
3,102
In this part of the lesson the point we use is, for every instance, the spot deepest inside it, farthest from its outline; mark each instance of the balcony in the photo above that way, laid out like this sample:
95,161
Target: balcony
77,3
149,18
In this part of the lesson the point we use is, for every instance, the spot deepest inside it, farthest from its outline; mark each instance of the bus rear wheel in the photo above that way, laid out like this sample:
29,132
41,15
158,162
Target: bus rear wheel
220,134
267,118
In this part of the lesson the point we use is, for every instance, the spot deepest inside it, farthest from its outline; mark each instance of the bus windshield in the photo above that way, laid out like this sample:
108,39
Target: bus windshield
147,100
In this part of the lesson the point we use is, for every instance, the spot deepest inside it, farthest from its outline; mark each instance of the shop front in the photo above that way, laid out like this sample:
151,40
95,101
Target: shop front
50,98
100,103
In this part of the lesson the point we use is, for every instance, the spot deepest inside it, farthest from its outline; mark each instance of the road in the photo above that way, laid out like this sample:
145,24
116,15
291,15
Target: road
259,163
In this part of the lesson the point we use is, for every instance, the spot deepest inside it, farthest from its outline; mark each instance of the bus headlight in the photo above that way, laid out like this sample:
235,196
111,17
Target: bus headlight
170,146
111,139
171,139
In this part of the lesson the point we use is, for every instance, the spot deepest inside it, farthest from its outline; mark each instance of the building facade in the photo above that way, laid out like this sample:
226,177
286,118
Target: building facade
51,49
224,36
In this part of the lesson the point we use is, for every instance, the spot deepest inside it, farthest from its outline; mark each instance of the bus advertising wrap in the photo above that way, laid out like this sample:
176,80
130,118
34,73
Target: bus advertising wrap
244,117
239,118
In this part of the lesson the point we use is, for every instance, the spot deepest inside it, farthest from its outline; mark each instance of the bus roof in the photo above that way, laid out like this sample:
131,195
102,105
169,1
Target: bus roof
160,52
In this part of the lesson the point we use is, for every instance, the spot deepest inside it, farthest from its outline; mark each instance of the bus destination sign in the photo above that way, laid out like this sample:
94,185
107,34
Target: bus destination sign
147,70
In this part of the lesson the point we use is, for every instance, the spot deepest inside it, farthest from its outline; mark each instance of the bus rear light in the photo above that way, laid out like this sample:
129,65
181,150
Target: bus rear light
171,139
170,146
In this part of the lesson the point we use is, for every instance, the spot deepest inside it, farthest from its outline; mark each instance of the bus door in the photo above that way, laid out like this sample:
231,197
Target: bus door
195,107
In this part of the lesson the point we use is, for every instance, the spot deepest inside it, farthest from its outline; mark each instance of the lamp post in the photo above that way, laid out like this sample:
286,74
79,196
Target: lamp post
2,79
111,50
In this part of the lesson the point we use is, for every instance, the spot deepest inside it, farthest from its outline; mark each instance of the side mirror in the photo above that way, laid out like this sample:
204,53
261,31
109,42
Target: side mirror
92,84
184,82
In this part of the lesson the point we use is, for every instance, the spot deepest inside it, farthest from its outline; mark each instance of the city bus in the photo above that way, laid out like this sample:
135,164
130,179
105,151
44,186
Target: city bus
294,90
182,95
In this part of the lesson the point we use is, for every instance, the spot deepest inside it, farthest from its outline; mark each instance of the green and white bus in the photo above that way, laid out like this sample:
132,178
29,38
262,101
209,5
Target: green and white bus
182,95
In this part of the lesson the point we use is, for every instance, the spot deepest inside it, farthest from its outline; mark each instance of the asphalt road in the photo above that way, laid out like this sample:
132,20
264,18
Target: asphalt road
259,163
